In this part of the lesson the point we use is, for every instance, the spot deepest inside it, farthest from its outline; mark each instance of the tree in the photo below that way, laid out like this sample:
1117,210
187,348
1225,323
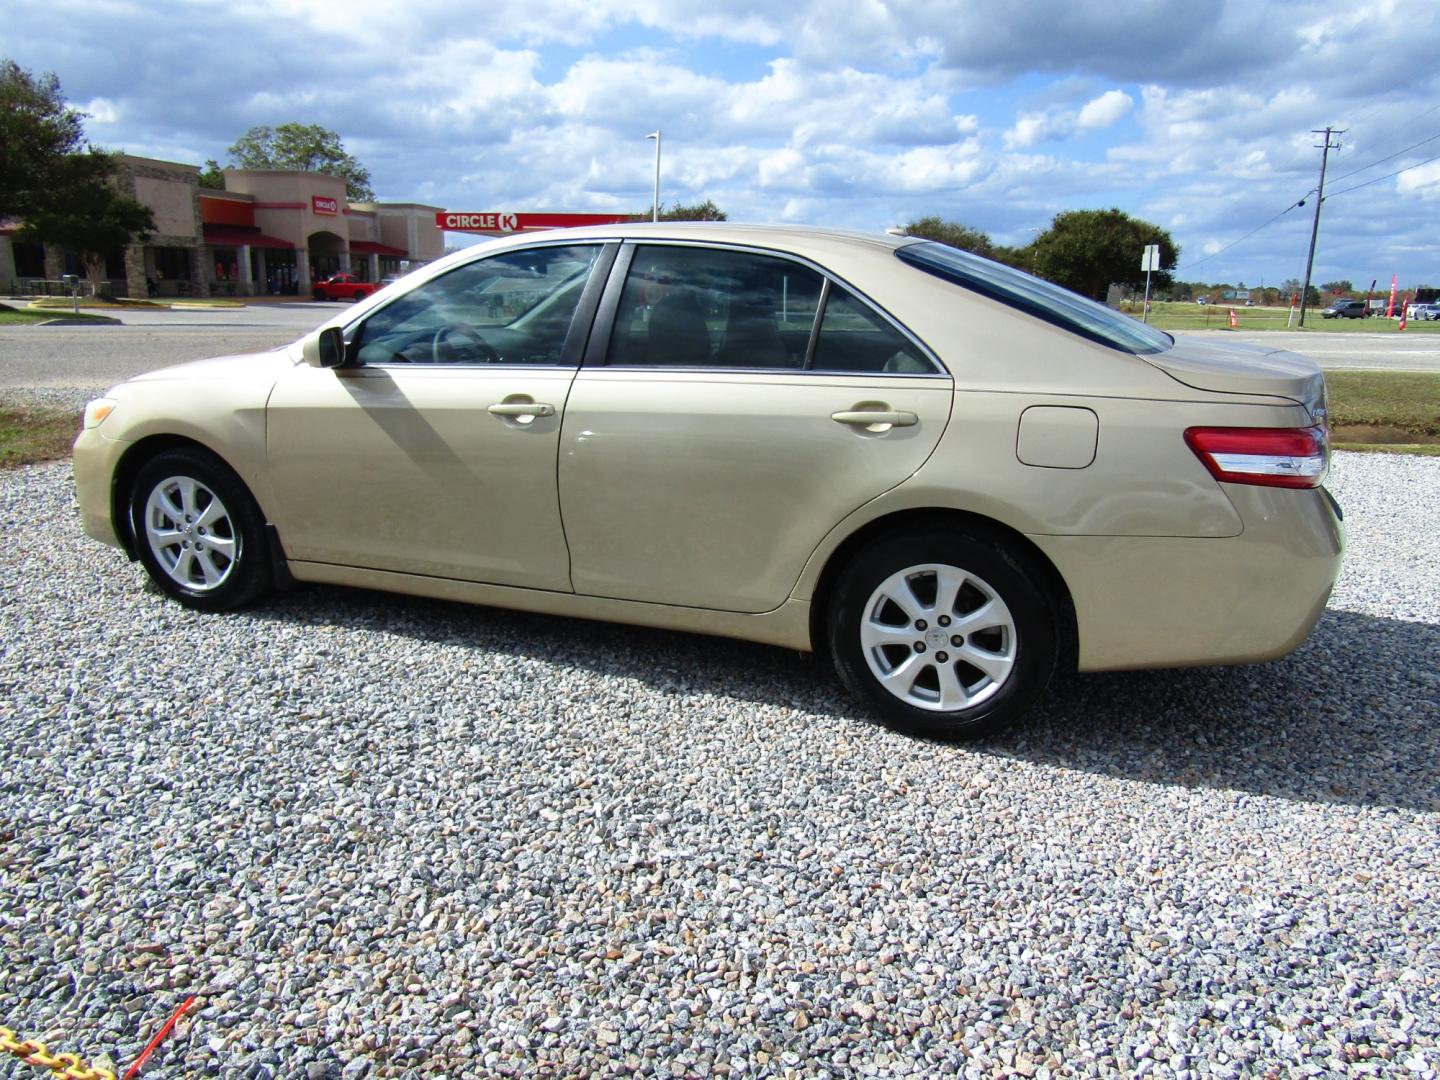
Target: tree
95,217
952,233
303,148
61,188
1337,288
1087,250
212,176
705,211
38,131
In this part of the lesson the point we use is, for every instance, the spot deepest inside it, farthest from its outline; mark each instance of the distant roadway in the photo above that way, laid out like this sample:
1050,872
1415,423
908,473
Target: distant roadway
96,357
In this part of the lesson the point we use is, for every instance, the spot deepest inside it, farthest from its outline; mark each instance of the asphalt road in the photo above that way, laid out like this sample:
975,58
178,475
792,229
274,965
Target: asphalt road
1342,352
96,357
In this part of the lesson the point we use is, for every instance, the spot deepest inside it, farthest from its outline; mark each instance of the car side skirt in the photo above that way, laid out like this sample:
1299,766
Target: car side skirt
787,626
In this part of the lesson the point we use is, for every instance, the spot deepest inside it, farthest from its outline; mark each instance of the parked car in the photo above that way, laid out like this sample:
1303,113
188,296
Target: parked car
1345,309
1422,312
948,476
343,287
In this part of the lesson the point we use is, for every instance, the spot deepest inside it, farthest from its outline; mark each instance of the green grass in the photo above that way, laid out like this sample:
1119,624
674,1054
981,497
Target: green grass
1419,449
1405,400
11,317
1182,317
30,434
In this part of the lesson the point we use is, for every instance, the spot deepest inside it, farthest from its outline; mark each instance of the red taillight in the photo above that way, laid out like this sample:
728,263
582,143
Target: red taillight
1270,457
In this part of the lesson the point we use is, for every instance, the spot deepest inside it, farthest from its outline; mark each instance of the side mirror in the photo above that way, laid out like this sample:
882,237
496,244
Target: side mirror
324,348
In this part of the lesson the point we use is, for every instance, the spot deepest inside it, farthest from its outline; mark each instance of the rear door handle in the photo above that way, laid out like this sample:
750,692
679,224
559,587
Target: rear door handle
876,420
521,408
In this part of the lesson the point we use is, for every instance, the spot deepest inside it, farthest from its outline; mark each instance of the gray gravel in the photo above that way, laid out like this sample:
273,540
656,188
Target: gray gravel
386,837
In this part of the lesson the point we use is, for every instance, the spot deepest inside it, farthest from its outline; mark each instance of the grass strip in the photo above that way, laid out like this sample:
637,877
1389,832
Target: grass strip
1406,400
11,317
30,434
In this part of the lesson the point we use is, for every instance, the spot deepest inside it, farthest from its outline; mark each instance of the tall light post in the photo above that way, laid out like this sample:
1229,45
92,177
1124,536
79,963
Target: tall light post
655,206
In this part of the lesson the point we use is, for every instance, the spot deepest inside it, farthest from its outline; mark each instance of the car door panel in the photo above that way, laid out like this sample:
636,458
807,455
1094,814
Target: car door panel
405,468
711,489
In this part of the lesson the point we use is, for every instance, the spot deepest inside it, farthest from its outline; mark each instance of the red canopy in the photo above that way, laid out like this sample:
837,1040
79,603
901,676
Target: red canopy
369,247
231,236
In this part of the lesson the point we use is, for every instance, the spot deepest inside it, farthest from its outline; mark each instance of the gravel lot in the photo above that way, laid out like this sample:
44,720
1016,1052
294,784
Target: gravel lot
385,837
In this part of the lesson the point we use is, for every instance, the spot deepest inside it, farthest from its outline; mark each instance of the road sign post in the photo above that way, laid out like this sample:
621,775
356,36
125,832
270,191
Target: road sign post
1148,262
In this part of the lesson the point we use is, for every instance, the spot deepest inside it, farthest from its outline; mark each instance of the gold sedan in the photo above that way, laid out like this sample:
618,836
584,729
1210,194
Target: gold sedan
950,476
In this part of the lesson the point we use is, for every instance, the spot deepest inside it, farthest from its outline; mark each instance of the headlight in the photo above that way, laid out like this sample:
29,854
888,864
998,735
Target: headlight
96,411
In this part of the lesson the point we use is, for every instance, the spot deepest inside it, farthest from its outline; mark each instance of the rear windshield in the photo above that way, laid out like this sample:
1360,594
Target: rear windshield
1042,299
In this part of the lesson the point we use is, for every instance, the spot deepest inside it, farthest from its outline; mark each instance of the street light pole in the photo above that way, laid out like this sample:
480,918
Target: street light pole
655,206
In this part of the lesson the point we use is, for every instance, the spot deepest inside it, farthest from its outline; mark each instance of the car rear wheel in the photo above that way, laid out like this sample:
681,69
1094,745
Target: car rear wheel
199,533
946,635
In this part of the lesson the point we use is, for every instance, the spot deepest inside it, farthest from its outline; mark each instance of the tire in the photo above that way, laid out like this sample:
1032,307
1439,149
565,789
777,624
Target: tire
198,531
902,604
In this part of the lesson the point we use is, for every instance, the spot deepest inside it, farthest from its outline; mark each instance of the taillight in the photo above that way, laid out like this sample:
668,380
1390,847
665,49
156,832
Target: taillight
1270,457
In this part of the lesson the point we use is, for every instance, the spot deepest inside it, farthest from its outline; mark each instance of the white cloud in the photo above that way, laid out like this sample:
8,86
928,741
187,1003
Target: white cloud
1109,108
1423,180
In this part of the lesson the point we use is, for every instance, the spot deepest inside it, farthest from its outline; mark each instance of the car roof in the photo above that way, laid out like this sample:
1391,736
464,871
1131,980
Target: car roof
800,239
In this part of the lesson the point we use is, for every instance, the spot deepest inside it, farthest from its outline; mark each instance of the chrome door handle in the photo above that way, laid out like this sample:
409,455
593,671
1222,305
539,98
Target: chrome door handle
876,418
521,408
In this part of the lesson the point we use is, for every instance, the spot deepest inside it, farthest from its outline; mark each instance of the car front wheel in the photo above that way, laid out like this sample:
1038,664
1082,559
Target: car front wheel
945,635
199,533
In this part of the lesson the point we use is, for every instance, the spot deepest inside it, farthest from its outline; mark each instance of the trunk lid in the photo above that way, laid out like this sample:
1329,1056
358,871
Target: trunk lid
1236,367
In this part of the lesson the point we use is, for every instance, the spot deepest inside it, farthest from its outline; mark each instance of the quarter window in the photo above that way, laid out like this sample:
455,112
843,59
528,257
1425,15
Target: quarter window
854,337
514,308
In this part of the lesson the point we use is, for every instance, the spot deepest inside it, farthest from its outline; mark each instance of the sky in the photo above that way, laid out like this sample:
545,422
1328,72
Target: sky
1196,115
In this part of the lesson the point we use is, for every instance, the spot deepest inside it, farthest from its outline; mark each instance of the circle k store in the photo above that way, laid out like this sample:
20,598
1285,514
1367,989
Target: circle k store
266,233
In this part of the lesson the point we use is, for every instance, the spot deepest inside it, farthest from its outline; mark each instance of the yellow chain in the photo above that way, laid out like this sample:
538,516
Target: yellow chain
67,1066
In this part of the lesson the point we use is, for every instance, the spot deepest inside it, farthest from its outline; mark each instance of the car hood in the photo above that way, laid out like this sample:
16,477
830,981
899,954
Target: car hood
1236,367
242,366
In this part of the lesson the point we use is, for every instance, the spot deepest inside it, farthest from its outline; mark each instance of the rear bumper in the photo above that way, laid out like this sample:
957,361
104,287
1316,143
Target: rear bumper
1144,602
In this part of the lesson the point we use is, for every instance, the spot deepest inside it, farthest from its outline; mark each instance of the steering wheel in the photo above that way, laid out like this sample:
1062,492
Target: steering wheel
450,339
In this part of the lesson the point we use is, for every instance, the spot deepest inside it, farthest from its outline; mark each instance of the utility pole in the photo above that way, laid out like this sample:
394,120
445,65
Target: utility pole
1319,199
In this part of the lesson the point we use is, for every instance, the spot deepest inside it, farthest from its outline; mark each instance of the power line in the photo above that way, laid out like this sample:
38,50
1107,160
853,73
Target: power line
1387,176
1391,157
1215,254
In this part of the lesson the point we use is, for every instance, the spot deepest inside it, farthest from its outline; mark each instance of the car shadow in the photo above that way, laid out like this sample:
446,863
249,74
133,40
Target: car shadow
1352,717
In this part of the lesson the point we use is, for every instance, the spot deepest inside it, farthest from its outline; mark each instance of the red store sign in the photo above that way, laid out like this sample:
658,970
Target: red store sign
322,205
490,222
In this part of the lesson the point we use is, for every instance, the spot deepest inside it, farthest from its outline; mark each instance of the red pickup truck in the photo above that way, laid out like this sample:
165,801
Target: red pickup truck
343,287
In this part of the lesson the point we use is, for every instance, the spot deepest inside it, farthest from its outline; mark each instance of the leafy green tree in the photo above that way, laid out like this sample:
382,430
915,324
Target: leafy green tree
952,233
303,148
61,188
38,132
212,176
94,219
1337,288
1087,250
704,211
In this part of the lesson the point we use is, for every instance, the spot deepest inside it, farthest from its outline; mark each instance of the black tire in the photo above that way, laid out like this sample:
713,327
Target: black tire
937,691
217,560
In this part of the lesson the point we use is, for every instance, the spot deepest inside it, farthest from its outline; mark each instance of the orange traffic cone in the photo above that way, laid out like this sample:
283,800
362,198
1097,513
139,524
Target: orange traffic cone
1234,320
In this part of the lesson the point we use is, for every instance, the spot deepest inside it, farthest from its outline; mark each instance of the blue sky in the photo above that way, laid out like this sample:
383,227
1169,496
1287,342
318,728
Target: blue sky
1194,115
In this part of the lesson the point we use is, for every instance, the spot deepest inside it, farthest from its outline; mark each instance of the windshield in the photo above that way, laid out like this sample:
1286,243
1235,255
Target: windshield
1042,299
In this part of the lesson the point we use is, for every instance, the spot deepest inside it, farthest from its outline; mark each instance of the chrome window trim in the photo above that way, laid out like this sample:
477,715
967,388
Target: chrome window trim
610,302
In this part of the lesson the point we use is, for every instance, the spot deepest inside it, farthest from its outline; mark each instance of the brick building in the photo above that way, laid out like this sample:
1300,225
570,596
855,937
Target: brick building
267,233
